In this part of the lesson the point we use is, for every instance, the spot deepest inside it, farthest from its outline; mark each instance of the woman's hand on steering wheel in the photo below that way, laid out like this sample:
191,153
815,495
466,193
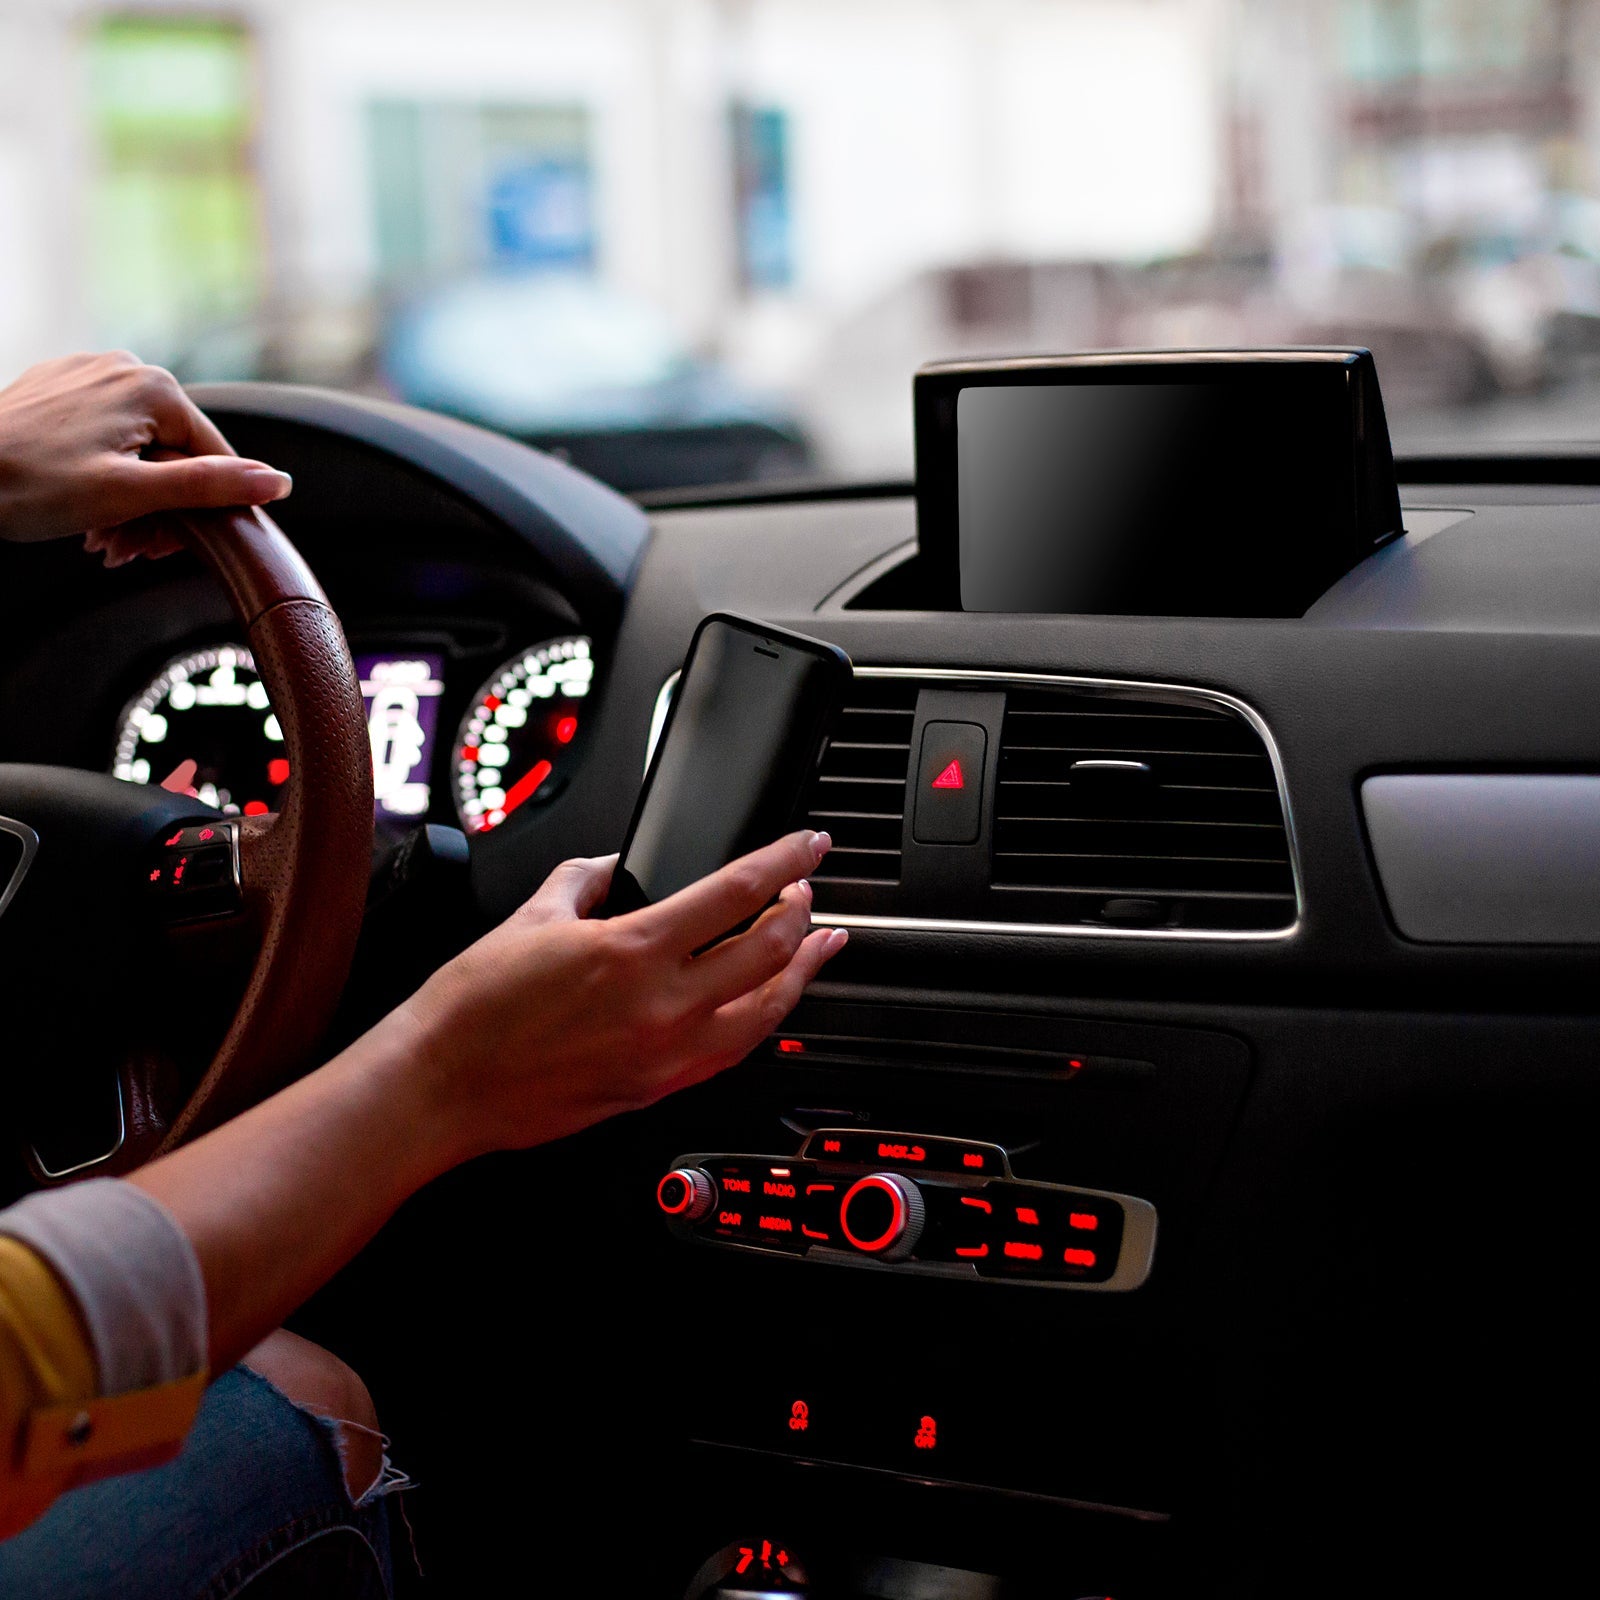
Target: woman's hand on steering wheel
77,437
553,1022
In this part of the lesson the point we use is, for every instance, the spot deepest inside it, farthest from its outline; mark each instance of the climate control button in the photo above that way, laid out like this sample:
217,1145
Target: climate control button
686,1192
882,1215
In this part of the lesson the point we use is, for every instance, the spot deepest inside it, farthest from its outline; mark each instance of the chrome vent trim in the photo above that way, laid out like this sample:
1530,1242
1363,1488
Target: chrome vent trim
986,678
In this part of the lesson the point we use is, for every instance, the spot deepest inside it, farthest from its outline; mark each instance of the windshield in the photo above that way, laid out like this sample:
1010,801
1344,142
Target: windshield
689,242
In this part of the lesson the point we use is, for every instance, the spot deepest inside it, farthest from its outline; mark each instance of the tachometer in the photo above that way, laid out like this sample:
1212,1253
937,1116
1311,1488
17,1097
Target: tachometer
209,707
515,742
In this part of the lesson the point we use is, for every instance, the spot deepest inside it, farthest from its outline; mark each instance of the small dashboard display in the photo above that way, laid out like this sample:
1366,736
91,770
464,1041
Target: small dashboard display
402,699
1183,484
515,743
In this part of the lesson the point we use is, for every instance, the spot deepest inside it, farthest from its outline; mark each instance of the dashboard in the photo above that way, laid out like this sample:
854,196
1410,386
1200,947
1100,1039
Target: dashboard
1309,1191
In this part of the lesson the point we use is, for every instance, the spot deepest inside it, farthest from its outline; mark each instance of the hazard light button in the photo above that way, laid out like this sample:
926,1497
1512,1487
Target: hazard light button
949,803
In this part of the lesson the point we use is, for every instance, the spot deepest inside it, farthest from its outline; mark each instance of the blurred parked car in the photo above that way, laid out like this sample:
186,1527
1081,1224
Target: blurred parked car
560,363
571,367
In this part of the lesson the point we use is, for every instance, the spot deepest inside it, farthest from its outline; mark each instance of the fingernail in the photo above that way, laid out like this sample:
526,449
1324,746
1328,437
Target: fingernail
265,477
837,940
821,844
804,886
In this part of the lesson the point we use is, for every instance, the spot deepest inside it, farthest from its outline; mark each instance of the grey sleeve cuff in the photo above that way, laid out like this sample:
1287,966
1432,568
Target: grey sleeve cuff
133,1272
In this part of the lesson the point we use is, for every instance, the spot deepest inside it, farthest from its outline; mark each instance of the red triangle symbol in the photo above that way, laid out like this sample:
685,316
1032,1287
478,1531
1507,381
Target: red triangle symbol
950,778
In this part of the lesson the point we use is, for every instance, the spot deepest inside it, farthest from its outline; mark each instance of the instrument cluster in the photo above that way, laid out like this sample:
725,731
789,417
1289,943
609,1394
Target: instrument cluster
204,724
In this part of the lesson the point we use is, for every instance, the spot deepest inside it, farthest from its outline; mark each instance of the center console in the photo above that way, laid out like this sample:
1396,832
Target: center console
912,1203
932,1252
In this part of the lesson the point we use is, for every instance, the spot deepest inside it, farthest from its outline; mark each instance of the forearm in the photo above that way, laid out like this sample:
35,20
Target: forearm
277,1200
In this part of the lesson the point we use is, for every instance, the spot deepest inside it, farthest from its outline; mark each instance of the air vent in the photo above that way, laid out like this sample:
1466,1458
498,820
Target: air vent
1117,808
859,794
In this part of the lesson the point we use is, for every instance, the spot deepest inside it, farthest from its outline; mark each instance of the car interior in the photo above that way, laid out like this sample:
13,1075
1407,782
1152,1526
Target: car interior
1182,1183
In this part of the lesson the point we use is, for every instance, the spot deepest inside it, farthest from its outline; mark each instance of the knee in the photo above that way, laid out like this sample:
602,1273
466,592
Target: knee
318,1381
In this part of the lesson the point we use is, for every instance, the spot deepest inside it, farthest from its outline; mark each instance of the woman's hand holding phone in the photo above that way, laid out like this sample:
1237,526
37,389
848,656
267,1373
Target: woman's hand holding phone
554,1021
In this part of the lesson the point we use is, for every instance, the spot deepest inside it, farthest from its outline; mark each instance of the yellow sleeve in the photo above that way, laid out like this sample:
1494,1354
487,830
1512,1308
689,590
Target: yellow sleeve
56,1431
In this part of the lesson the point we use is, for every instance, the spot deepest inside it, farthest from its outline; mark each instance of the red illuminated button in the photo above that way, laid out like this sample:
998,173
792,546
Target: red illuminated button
882,1215
686,1192
950,767
1078,1258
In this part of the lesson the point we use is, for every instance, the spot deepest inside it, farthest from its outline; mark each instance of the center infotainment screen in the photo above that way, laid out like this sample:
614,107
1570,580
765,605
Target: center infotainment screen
1235,484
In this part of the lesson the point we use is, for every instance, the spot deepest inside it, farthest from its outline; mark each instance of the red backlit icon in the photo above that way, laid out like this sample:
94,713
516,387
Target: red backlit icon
792,1047
950,778
1025,1252
971,1158
1086,1220
973,1252
927,1434
566,729
1078,1258
748,1557
177,838
799,1417
1028,1215
211,833
277,770
830,1147
255,808
155,877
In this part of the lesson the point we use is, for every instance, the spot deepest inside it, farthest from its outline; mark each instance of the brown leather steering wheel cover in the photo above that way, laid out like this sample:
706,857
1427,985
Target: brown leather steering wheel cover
304,870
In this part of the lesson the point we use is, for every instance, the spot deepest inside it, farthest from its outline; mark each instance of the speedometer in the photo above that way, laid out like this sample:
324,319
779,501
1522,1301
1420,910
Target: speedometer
209,707
515,742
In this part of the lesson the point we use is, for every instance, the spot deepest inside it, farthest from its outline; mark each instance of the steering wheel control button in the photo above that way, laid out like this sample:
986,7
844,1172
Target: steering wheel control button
882,1215
194,871
950,775
686,1192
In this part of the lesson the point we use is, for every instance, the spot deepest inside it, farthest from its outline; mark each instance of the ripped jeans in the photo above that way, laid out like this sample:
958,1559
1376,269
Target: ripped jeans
256,1504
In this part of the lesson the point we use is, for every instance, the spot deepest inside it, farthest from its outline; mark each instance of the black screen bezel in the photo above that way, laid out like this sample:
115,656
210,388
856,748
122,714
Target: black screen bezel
1363,459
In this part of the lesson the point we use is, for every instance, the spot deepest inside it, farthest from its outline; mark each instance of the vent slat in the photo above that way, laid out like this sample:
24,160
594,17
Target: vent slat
1198,841
858,794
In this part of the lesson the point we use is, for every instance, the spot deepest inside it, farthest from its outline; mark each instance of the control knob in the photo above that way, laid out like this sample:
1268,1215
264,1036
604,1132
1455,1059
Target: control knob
882,1215
686,1192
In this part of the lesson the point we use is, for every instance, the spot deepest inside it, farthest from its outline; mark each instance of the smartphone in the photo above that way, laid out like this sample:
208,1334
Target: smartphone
748,725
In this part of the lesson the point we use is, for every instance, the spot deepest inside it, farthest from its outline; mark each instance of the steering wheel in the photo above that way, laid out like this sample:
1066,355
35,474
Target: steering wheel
141,920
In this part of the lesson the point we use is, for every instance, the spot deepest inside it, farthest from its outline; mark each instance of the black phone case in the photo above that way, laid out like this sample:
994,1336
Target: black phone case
625,893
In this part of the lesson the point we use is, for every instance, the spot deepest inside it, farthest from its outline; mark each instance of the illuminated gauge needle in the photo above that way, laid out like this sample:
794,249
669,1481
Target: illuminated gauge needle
181,779
525,786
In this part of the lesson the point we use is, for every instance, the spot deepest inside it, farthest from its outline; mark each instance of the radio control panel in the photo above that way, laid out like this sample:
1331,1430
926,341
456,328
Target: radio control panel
909,1203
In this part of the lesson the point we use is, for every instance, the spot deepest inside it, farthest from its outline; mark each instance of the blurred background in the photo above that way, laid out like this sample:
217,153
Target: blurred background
703,241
